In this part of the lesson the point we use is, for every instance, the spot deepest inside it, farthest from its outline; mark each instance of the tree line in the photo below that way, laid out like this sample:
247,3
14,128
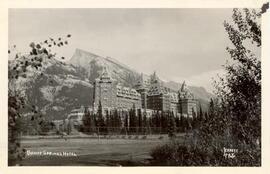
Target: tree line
136,121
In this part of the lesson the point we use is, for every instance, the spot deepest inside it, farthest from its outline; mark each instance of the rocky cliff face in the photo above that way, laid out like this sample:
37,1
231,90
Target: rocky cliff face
61,88
66,85
94,66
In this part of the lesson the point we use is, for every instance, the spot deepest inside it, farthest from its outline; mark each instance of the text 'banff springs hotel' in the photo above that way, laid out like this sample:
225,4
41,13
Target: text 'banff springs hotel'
148,95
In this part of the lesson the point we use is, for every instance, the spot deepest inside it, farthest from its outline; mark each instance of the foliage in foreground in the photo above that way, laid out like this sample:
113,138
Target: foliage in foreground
21,68
235,116
178,154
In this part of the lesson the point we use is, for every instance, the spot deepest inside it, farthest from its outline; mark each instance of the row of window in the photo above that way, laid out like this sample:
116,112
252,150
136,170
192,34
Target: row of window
129,97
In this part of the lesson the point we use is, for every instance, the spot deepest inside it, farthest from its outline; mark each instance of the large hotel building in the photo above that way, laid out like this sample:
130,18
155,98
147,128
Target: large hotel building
149,94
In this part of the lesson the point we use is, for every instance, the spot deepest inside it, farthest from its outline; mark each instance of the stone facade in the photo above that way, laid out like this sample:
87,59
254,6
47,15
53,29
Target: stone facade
105,92
114,96
158,97
147,94
187,101
127,97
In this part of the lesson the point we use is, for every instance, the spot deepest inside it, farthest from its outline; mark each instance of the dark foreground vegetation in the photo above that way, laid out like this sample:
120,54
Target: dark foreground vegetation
235,115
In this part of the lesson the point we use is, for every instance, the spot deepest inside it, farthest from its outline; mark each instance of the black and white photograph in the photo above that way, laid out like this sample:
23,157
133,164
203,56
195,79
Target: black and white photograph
142,87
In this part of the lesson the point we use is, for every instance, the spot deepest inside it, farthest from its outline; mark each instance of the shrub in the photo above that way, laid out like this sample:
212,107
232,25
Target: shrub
174,154
177,154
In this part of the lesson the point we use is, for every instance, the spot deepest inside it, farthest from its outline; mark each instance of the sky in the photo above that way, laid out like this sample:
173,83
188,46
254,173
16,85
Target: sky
179,44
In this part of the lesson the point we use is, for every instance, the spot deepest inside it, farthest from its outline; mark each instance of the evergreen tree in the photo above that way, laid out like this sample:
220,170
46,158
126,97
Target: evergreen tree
181,123
177,123
113,117
144,121
171,126
92,122
164,123
140,120
156,119
108,121
126,125
185,123
100,120
112,120
99,115
116,120
133,118
87,120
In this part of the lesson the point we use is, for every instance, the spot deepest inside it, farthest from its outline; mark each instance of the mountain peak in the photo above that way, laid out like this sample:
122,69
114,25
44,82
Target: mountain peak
82,58
79,51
